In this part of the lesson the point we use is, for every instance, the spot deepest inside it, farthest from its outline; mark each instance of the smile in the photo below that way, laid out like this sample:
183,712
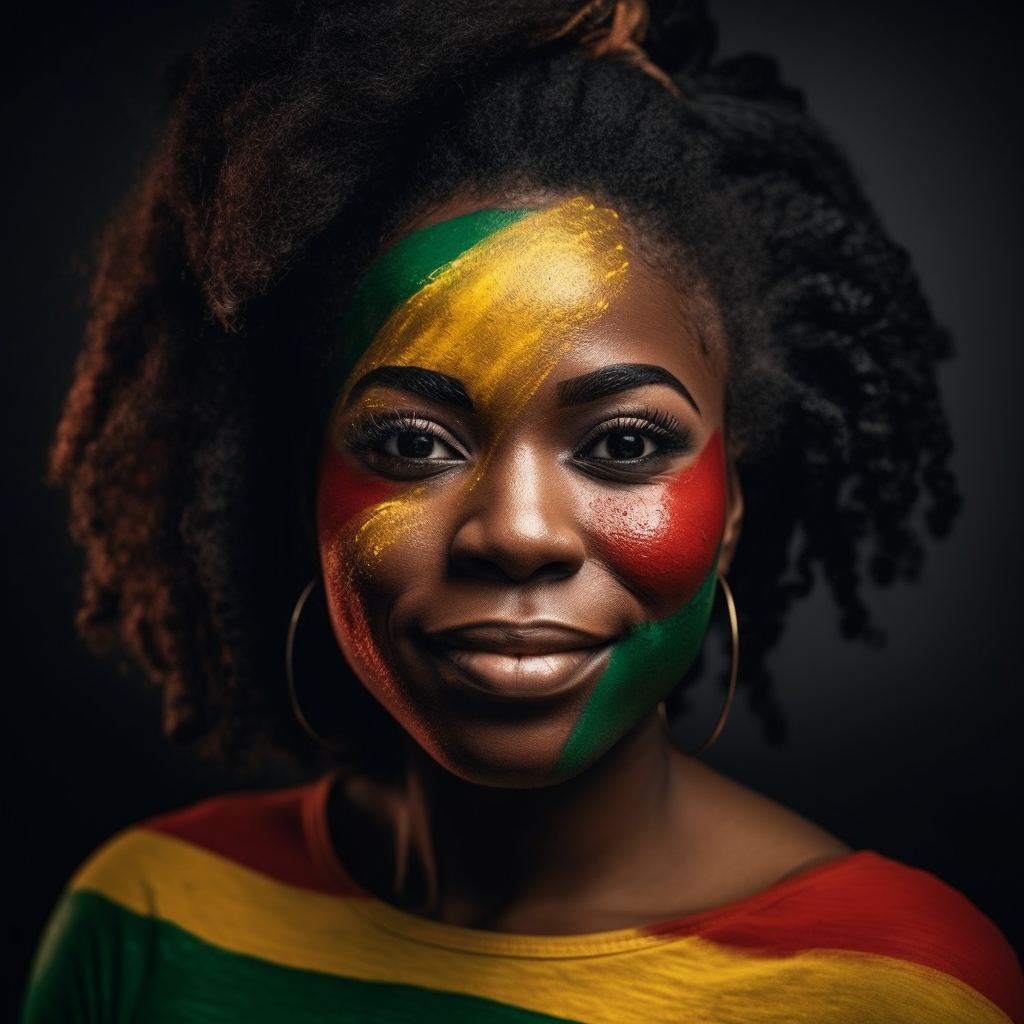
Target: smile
516,662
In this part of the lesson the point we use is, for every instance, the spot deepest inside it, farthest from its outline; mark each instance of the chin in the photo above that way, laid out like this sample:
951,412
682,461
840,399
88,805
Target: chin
502,754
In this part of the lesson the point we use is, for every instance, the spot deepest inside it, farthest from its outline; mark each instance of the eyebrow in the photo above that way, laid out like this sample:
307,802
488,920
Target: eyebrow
611,380
430,384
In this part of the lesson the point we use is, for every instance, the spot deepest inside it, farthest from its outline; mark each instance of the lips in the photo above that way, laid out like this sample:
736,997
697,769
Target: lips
518,661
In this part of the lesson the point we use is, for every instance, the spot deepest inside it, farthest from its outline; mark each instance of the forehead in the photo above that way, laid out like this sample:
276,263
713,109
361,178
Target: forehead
487,291
498,298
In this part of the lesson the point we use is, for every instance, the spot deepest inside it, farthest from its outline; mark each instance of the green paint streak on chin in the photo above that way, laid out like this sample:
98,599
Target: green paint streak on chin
400,273
643,670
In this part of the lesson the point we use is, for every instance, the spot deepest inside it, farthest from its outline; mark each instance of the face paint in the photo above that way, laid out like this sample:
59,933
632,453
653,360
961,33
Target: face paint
549,274
668,549
343,493
400,273
496,316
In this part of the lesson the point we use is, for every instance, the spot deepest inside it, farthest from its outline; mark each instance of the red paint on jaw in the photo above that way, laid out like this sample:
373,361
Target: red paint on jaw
663,538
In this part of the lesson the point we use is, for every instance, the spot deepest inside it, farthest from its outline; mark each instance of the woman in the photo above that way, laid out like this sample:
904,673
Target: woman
539,331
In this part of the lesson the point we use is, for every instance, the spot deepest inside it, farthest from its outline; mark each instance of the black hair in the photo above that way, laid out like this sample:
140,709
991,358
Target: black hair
302,135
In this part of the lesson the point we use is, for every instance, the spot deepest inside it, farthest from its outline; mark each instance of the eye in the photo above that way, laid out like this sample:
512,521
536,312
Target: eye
404,445
418,444
622,445
631,443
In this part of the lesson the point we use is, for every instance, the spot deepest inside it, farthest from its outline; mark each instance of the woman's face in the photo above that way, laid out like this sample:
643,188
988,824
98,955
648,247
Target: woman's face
523,495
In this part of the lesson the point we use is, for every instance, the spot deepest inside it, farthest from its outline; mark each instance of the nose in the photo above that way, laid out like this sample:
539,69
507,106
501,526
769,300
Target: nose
518,521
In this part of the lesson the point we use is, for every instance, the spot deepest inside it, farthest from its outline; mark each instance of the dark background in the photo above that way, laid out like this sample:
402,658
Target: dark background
914,751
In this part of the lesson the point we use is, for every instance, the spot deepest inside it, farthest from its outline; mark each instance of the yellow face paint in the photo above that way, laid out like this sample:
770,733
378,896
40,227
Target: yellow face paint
497,318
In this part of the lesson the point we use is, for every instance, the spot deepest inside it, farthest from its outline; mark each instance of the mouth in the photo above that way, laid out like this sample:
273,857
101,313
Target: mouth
518,661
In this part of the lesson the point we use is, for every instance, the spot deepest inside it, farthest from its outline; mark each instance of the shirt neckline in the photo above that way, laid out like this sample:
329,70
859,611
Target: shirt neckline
425,931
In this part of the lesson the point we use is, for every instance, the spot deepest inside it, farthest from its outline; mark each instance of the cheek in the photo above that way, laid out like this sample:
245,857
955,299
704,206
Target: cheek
344,495
346,498
664,543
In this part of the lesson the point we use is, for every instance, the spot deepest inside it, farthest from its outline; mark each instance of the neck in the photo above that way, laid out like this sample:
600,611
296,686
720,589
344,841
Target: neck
553,859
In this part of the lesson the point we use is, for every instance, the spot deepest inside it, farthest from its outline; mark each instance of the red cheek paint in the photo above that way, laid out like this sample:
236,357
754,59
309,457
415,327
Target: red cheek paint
663,538
344,494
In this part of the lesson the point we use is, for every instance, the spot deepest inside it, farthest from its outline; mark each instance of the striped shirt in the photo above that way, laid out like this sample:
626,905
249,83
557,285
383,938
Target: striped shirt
236,909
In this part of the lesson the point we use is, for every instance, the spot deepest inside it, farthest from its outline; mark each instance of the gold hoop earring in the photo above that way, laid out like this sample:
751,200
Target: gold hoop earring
293,695
734,628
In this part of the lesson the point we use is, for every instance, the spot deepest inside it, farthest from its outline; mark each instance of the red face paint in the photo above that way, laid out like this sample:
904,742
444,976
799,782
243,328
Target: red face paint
344,494
664,539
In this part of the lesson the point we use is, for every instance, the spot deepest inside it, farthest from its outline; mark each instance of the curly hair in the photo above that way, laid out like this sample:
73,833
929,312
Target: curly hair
301,137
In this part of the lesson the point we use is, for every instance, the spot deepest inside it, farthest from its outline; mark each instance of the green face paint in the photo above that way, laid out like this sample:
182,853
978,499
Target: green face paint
644,669
400,273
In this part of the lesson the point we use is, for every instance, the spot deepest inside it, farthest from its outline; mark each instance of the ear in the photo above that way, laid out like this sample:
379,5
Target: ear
733,517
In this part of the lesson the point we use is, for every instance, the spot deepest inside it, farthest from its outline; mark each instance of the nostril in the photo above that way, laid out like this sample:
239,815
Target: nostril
505,567
519,524
486,552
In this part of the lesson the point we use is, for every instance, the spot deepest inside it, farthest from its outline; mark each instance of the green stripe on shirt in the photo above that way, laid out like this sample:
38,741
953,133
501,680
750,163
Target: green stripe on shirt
102,964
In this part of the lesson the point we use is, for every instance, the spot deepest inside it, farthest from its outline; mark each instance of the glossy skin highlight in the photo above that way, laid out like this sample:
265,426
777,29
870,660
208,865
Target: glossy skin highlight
544,294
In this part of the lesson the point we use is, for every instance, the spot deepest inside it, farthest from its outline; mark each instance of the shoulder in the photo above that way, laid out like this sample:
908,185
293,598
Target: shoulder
271,834
193,873
872,907
867,902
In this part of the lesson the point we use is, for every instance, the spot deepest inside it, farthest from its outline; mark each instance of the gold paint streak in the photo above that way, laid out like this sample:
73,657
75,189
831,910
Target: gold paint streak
384,523
499,318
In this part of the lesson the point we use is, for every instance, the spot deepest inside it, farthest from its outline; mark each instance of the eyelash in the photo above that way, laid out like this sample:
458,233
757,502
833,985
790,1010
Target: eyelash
368,434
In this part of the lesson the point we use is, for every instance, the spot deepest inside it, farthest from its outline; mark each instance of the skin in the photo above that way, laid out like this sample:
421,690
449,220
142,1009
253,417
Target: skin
519,588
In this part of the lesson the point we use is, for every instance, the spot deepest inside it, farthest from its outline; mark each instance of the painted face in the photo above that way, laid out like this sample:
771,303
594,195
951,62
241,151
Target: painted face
522,492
